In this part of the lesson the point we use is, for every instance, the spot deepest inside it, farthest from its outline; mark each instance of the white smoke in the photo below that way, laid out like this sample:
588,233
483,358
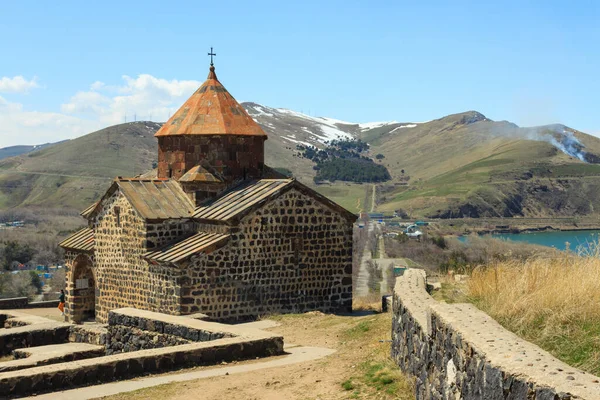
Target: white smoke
568,144
559,137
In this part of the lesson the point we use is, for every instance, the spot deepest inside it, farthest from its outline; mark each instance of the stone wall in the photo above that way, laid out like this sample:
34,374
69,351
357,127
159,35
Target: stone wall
123,339
124,278
14,303
230,156
293,254
456,351
28,336
162,233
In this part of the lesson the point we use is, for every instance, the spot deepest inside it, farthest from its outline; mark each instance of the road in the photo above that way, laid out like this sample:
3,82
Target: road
362,281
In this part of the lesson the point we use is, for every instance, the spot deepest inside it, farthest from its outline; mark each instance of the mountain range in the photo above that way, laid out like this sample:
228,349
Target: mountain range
461,165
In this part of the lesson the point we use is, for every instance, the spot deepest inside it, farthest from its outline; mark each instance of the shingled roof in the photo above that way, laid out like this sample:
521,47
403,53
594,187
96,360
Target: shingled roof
153,199
82,240
211,110
253,194
200,242
156,198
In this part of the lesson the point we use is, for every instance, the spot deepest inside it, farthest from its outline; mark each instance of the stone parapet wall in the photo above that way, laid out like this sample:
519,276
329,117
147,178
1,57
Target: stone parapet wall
456,351
14,303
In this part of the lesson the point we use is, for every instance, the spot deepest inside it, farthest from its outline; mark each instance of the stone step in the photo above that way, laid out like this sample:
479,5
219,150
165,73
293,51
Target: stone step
52,354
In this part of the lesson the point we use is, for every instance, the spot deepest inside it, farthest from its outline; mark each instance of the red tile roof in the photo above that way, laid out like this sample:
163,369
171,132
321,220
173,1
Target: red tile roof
211,110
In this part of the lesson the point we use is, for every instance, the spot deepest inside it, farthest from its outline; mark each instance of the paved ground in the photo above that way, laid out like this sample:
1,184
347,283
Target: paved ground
50,313
296,355
362,281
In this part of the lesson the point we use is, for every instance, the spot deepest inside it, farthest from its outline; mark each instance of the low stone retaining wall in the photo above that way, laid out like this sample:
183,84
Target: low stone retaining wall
195,331
230,343
43,304
122,339
30,336
14,303
87,334
456,351
133,330
22,302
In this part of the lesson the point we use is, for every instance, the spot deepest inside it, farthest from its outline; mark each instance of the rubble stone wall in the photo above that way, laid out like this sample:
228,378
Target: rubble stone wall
162,233
456,351
123,339
14,303
292,255
124,278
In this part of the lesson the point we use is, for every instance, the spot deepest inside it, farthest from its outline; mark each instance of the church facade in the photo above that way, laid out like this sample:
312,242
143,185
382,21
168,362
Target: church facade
215,231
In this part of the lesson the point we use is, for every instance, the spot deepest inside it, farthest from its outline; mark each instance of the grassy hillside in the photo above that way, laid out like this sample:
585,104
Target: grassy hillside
458,166
77,172
466,165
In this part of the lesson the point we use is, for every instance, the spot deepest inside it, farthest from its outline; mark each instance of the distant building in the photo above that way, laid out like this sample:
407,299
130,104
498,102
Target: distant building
214,231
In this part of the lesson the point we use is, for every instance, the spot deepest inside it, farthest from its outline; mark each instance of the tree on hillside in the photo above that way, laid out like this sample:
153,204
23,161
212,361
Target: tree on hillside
380,156
14,251
36,281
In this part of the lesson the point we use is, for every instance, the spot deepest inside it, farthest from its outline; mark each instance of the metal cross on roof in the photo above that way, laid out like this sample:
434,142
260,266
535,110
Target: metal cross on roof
211,54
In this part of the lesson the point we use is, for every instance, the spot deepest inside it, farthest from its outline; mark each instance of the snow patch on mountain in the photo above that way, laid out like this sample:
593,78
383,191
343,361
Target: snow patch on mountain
372,125
403,126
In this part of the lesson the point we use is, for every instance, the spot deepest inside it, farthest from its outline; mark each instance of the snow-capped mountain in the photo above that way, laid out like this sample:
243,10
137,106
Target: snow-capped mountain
293,128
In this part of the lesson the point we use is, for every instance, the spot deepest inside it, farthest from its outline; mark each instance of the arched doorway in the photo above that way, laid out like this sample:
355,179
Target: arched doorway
82,290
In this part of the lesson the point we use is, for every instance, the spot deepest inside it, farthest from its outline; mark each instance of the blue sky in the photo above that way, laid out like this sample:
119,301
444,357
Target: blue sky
71,67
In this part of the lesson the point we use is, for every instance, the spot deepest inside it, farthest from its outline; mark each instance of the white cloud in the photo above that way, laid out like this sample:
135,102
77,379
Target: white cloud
97,85
18,84
145,96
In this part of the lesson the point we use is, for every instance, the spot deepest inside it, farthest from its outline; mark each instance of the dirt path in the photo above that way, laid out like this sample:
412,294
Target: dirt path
297,355
362,347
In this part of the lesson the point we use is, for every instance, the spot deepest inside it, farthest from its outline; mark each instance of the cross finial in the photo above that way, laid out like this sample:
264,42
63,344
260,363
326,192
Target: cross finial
211,54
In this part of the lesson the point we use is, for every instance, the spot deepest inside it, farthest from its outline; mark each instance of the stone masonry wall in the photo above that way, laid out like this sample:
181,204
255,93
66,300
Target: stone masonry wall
292,255
231,156
79,302
128,332
14,303
123,339
165,232
124,278
456,351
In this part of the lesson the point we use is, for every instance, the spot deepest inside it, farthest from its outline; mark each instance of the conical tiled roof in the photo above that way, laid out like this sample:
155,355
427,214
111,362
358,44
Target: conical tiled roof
211,110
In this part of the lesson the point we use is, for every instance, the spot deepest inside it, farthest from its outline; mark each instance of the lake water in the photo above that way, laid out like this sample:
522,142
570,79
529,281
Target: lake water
554,239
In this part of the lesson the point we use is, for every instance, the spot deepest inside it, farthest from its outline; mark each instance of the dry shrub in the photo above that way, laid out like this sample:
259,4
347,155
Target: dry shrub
370,302
553,302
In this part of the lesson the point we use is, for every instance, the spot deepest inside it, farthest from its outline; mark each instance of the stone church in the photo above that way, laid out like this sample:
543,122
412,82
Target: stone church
212,231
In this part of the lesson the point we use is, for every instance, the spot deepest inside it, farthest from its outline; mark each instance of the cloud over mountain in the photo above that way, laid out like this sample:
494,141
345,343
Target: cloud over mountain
144,97
17,84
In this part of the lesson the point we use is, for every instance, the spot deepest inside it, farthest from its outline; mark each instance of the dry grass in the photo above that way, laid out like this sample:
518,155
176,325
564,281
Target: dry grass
553,302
